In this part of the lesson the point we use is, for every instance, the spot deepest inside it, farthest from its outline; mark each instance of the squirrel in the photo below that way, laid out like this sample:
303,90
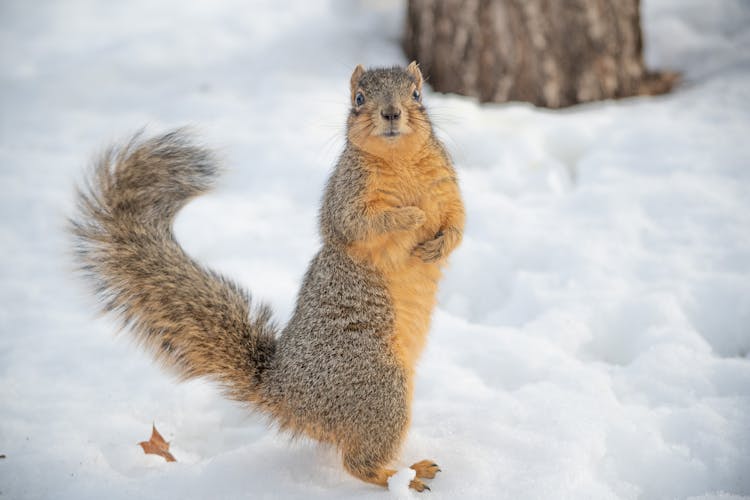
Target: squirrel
341,371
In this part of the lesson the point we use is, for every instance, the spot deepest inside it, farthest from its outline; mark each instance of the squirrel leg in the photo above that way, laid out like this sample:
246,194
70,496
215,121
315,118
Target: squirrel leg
361,465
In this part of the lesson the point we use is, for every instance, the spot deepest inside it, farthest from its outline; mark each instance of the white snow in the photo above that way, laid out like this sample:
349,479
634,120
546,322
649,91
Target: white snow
593,334
398,484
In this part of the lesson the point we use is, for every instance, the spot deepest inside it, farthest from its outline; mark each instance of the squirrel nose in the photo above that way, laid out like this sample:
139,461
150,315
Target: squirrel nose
391,113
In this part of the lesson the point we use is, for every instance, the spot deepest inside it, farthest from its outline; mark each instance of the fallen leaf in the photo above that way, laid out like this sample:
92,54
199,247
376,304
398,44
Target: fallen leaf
157,446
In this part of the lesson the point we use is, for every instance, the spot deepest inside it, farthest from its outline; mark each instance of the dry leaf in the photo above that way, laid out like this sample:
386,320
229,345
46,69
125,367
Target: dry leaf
157,446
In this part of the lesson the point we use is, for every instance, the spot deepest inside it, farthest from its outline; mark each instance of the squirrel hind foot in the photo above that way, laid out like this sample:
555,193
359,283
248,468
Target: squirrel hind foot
380,478
367,471
425,469
418,485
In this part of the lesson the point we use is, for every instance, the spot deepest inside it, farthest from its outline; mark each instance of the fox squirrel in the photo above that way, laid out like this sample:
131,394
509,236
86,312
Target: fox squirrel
342,369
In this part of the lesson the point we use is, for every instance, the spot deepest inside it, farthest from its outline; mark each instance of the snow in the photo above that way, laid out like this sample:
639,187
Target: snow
592,338
398,484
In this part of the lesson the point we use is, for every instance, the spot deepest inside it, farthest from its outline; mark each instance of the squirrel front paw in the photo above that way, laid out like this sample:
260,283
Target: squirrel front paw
407,218
430,250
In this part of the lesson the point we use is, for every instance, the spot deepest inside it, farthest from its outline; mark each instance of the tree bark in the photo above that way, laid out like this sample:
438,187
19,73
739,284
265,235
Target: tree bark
552,53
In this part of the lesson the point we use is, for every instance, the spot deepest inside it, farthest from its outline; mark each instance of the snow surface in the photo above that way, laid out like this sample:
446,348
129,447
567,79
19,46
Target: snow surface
593,333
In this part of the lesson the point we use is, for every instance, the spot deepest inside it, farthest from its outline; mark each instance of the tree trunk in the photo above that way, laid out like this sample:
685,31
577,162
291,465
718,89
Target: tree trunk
552,53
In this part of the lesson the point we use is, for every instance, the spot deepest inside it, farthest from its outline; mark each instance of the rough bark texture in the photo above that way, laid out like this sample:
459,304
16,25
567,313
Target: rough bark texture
553,53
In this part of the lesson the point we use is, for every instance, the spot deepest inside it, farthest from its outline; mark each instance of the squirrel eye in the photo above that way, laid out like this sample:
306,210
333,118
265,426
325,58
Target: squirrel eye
416,95
359,99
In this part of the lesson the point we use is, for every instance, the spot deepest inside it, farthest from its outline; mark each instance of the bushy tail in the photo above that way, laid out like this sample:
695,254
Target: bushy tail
193,320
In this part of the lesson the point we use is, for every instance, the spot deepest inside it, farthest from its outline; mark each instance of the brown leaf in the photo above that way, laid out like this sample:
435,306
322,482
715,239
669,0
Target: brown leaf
157,446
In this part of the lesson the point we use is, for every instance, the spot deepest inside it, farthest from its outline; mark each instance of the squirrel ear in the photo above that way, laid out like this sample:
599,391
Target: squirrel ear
358,72
413,70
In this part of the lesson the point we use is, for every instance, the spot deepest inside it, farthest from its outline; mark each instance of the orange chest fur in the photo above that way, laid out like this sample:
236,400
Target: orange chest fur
412,283
429,185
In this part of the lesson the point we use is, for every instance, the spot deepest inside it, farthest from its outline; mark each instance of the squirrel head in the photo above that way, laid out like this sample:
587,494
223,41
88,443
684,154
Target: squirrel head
387,116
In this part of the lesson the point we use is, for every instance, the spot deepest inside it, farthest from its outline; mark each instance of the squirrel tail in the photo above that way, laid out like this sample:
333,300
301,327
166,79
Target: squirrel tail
193,320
